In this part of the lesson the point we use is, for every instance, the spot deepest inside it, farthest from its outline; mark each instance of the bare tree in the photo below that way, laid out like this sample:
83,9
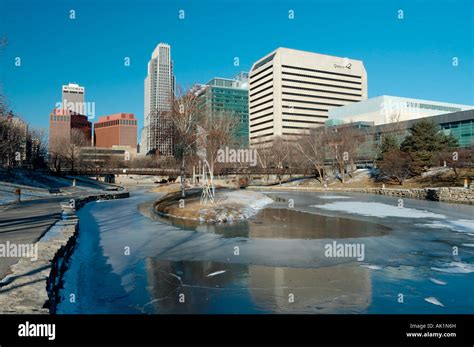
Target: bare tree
264,157
185,115
343,143
313,148
282,151
13,134
72,150
37,138
214,132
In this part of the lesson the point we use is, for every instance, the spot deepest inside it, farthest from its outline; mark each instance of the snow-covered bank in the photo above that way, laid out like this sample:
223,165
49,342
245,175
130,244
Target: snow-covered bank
33,284
8,194
37,185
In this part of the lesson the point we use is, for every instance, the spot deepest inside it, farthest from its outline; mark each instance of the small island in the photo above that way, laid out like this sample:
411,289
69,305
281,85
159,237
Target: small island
228,205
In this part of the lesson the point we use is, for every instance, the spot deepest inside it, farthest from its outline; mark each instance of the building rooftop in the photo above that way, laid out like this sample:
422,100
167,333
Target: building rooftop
307,54
116,116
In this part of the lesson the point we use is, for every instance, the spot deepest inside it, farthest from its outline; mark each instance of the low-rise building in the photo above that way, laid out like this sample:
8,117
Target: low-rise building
387,109
116,130
61,124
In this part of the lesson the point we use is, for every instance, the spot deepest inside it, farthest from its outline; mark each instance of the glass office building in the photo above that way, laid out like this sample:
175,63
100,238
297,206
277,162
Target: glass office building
463,130
229,97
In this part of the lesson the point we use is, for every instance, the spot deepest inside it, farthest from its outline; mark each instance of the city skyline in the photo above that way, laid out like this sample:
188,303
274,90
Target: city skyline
397,62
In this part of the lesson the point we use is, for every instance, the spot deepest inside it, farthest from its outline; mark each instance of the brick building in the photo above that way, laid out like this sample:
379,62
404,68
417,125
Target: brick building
61,124
116,130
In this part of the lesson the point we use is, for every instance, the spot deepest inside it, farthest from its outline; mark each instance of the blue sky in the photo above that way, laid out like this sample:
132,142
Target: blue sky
410,57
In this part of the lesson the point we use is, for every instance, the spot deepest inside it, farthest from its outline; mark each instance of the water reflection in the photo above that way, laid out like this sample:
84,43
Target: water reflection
214,287
281,223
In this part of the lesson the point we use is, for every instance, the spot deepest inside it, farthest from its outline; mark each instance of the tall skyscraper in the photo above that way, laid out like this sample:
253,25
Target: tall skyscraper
292,91
157,134
73,98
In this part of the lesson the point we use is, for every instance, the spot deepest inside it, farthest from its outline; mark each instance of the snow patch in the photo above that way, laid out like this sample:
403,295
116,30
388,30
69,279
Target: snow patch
216,273
456,267
434,301
461,225
376,209
372,267
436,281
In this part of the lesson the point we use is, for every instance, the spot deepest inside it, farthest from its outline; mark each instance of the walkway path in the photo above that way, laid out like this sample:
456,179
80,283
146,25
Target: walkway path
26,222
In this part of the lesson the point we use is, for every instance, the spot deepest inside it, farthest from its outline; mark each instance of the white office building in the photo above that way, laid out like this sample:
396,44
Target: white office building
292,91
159,93
387,109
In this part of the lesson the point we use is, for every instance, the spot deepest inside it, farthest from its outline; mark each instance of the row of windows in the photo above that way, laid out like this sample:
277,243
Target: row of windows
264,122
234,110
230,91
116,122
263,109
261,90
60,118
318,97
301,121
298,128
227,101
311,102
320,71
319,84
305,108
320,78
263,96
292,134
263,135
305,115
260,130
263,62
432,107
260,104
98,152
322,91
254,82
262,116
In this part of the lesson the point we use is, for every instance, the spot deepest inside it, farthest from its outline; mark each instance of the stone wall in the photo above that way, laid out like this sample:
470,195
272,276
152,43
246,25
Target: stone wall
453,195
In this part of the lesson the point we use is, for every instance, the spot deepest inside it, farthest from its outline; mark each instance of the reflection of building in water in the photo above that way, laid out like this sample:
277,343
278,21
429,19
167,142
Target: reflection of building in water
167,280
246,288
292,224
337,289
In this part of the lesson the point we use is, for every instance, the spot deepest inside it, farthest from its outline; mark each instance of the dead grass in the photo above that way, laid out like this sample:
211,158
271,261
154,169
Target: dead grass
442,179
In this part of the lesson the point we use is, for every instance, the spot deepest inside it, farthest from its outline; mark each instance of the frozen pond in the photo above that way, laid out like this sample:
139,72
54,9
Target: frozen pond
418,258
283,223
